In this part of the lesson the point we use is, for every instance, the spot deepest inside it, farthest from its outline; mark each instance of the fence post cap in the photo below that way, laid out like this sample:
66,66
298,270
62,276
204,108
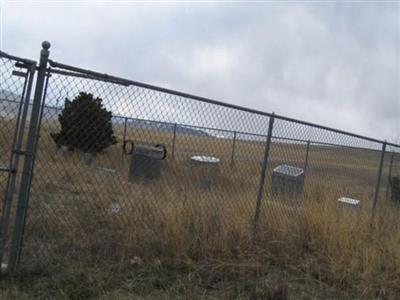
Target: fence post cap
46,45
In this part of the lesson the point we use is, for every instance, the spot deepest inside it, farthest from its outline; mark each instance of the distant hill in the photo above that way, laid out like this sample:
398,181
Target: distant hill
10,102
182,129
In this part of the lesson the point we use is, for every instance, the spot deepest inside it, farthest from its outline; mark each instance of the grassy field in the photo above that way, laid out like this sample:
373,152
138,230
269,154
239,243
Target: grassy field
173,239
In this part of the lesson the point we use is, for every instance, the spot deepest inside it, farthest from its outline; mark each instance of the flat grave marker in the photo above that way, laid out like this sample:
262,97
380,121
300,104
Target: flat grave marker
349,204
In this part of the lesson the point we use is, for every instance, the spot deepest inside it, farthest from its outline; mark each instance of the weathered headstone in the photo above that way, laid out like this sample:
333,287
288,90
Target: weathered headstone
395,188
287,181
146,162
206,169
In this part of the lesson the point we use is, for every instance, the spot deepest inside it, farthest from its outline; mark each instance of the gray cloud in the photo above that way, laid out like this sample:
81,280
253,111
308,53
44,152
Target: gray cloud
330,63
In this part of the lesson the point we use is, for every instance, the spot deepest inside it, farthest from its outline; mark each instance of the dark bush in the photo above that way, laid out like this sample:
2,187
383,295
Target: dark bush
85,125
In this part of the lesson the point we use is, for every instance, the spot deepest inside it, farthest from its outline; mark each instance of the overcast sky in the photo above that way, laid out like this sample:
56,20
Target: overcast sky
333,63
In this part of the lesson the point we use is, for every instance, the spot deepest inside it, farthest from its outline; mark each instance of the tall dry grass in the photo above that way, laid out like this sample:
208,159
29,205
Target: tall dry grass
172,222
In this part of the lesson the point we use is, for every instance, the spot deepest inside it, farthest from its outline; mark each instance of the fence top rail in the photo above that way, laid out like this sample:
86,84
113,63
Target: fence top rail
80,75
16,58
122,81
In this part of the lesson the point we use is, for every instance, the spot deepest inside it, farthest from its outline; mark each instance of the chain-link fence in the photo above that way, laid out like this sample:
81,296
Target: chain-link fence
16,77
121,167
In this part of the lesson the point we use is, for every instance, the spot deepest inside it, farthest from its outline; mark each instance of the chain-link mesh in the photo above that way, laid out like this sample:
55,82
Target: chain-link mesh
179,171
330,166
11,91
206,190
15,78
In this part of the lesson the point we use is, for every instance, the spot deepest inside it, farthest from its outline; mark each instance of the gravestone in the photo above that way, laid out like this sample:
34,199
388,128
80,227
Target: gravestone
287,181
4,267
395,188
206,169
146,162
349,204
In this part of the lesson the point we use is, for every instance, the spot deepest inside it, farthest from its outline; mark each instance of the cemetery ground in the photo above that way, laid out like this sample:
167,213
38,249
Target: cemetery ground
172,239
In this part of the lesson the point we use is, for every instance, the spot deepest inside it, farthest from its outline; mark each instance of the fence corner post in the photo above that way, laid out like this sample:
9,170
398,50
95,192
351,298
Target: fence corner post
261,186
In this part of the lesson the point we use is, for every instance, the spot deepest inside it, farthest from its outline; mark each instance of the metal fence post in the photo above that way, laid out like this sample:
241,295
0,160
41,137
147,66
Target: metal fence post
124,135
14,161
306,159
233,149
262,178
389,176
48,75
378,182
173,142
22,206
307,154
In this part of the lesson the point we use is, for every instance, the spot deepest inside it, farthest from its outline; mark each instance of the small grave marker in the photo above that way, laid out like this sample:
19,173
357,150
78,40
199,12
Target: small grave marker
87,158
102,171
115,208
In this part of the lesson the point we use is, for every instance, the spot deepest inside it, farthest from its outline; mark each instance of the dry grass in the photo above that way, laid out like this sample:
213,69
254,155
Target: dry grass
175,240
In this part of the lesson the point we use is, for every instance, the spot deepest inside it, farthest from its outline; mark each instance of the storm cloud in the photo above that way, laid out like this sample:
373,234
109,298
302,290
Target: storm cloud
337,64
